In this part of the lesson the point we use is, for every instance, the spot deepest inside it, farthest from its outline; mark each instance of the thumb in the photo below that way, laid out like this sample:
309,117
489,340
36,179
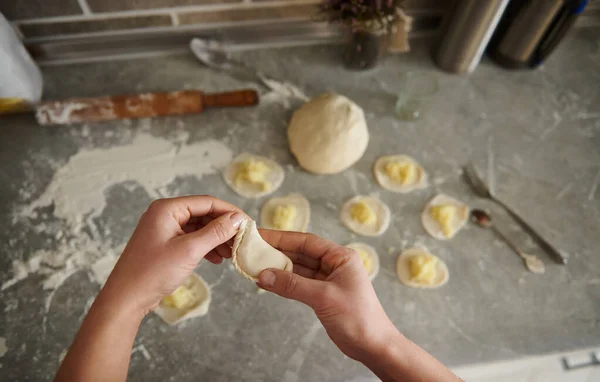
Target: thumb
217,232
290,285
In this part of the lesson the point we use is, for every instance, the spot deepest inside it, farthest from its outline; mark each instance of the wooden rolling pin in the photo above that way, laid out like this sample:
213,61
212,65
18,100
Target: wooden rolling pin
82,110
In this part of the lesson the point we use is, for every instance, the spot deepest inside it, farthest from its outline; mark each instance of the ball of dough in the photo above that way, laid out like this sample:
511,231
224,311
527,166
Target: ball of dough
328,134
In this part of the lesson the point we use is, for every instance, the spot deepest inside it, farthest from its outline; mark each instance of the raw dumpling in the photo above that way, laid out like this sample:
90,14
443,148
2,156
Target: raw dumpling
287,213
251,254
417,268
444,216
191,299
399,173
369,257
253,176
366,215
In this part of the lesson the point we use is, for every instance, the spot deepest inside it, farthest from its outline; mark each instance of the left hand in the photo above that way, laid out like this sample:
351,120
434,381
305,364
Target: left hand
172,236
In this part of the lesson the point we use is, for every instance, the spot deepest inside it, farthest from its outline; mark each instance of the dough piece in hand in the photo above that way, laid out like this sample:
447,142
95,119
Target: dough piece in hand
369,257
444,216
251,254
328,134
286,213
253,176
400,173
366,215
417,268
190,300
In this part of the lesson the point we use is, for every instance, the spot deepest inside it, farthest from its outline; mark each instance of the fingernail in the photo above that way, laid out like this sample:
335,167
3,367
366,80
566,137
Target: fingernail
237,219
267,278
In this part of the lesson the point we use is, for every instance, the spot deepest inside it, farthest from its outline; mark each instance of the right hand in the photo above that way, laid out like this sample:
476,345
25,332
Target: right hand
332,280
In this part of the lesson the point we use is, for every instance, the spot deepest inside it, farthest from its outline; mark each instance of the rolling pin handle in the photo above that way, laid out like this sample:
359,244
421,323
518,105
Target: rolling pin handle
239,98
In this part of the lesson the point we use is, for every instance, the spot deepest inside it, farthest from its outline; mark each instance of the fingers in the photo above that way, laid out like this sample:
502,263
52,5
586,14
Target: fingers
185,207
293,286
211,236
213,257
224,250
305,243
305,272
301,259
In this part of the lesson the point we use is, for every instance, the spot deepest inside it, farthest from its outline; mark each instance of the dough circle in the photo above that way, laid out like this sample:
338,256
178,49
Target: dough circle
275,176
382,214
328,134
200,289
433,227
390,184
251,255
371,252
403,269
299,222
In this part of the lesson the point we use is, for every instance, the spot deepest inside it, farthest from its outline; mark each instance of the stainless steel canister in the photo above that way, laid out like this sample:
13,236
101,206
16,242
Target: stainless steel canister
466,32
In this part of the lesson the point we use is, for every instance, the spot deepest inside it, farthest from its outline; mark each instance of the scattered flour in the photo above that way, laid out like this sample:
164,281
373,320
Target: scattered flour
77,189
77,192
142,349
58,112
62,355
3,347
282,92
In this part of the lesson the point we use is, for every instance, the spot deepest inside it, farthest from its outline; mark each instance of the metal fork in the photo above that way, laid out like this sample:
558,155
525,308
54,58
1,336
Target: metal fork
482,189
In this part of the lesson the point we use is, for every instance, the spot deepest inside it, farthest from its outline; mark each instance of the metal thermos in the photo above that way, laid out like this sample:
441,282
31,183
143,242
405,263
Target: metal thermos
466,31
531,29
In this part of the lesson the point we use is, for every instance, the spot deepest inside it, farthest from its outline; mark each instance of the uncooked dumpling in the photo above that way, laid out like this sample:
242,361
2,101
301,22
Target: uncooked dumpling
417,268
286,213
369,257
253,176
366,215
444,216
328,134
251,254
191,299
399,173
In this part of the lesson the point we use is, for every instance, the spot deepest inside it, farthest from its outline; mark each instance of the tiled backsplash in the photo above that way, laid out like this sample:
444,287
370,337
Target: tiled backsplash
48,18
43,18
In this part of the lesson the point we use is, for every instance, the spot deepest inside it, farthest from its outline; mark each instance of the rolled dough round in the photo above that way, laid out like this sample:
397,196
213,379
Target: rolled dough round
274,176
379,169
403,269
377,227
328,134
200,290
433,227
371,253
299,222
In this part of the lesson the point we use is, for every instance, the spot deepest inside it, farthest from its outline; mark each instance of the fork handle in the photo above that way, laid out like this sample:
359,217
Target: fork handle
546,246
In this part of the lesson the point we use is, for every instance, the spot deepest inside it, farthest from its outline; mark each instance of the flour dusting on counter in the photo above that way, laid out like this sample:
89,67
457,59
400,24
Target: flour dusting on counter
58,113
282,93
3,347
78,190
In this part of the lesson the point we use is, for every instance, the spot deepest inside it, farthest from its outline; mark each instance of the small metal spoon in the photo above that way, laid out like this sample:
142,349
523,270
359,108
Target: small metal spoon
212,54
532,262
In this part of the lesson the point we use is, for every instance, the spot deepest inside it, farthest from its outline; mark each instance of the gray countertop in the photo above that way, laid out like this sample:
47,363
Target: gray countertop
536,134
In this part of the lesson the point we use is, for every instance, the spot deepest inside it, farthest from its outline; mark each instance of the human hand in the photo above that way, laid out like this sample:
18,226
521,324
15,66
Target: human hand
172,236
332,280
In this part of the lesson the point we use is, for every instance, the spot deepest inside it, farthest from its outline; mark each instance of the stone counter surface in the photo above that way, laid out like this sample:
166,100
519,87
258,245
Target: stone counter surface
534,134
